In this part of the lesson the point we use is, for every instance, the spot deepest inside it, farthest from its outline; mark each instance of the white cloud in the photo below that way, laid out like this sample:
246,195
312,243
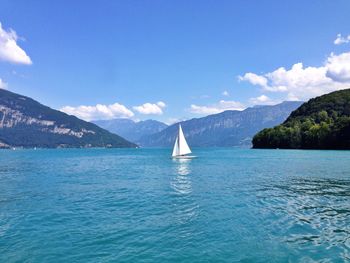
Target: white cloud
292,97
341,40
262,100
254,79
3,84
301,82
161,104
9,50
99,112
204,109
171,121
151,108
225,93
338,67
221,106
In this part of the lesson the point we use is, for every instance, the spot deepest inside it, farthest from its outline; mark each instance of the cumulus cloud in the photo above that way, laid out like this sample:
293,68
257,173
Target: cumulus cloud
254,79
301,82
225,93
3,84
9,50
221,106
338,67
99,112
161,104
151,108
262,100
341,40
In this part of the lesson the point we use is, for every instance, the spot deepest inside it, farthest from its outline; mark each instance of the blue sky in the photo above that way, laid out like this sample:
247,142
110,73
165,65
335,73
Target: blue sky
171,60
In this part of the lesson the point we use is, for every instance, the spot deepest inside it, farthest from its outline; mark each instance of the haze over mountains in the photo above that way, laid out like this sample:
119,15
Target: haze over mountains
130,129
226,129
26,123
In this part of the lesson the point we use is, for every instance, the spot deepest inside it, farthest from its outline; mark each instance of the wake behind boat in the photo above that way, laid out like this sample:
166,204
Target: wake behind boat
181,148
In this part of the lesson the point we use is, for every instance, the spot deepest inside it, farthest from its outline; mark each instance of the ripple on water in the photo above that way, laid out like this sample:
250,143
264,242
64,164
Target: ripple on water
139,205
314,212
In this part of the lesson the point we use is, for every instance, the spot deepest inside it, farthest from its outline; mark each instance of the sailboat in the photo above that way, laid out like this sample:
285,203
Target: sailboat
181,148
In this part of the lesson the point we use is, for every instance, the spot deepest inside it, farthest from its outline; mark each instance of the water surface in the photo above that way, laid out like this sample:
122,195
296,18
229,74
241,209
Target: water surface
138,205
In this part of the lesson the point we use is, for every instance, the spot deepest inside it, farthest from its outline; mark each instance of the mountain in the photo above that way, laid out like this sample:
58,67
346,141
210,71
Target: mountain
321,123
131,130
229,128
25,122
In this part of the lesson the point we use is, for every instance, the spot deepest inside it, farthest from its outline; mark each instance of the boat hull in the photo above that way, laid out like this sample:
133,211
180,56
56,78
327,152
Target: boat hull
184,157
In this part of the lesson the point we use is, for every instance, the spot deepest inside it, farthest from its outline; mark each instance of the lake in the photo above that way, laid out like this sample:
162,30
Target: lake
139,205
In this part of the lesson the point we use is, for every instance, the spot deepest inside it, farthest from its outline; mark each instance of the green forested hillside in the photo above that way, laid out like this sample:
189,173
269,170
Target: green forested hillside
321,123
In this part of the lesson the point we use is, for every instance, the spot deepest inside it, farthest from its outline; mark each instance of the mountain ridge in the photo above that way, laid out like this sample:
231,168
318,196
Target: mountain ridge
26,123
226,129
130,129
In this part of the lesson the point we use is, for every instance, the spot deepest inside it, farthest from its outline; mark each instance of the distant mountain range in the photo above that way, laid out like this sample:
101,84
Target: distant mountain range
320,123
26,123
130,129
226,129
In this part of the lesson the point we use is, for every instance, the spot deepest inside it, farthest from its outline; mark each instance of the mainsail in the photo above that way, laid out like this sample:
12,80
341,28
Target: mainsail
180,146
176,147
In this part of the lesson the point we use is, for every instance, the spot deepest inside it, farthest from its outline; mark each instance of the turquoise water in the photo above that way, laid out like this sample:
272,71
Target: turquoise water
138,205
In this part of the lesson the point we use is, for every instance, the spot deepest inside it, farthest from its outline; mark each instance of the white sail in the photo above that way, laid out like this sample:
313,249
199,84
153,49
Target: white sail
180,146
176,148
183,146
